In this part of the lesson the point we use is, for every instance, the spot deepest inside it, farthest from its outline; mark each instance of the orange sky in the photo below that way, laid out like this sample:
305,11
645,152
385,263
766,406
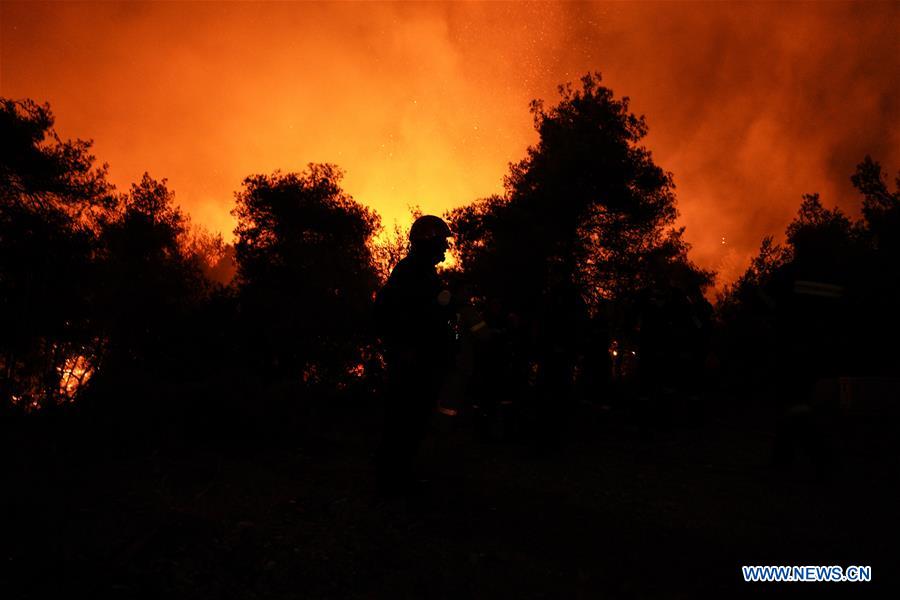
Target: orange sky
749,105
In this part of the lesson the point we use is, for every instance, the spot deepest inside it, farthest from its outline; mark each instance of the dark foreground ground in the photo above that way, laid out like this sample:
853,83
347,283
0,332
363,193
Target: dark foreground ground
621,511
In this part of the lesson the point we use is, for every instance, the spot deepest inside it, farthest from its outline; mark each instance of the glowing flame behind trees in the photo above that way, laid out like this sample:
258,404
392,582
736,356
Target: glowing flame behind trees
52,196
86,274
73,375
389,248
98,283
93,282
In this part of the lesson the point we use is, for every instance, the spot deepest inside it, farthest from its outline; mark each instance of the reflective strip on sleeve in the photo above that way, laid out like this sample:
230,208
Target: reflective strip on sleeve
818,288
477,326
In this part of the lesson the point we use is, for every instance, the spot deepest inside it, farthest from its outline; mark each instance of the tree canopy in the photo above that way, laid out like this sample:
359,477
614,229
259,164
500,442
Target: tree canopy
51,196
305,269
587,206
827,258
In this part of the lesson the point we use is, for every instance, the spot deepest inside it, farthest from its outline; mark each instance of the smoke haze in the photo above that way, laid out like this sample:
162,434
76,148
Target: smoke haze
749,105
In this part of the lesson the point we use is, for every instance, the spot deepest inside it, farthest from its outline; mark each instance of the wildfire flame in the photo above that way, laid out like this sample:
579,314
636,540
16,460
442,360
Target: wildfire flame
73,375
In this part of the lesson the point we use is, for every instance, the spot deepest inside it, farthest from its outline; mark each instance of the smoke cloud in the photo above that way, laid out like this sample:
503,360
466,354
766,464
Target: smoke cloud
749,105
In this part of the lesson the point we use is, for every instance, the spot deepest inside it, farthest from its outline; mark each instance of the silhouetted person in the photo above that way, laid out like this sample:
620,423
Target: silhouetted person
810,348
656,350
562,318
490,383
414,315
697,328
597,363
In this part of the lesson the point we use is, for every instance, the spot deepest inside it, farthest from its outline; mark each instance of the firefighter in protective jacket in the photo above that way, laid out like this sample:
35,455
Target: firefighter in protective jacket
414,316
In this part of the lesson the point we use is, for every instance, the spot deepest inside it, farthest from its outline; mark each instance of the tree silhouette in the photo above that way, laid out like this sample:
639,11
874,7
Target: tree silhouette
877,293
305,271
51,195
587,208
829,294
148,281
390,248
880,207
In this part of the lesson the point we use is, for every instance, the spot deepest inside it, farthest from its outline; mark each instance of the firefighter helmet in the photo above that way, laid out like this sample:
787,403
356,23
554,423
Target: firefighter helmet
428,227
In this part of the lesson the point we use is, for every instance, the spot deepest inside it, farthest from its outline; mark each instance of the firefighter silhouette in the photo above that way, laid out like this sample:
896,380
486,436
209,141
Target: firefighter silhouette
809,347
414,317
559,336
